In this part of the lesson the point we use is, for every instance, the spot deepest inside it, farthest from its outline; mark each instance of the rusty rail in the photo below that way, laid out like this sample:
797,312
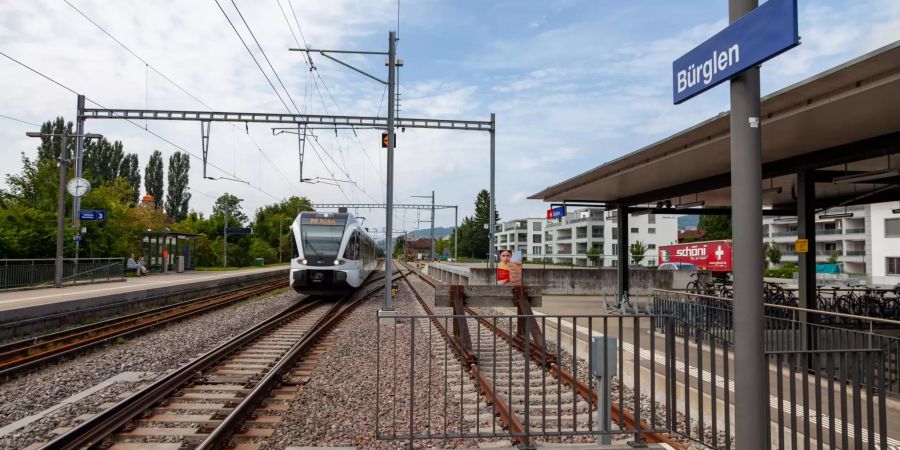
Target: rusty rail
539,354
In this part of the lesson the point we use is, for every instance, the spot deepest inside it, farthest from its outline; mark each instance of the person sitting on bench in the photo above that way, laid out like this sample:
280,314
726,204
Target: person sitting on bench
138,268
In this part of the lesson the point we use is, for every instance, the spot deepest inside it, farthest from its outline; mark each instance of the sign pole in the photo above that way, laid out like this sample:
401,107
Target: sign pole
389,200
225,258
746,200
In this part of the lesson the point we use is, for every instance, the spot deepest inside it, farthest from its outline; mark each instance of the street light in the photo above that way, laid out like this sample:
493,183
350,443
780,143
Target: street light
61,202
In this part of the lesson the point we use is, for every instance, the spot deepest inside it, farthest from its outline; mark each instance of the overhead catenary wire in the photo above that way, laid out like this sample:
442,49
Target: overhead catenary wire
150,67
19,120
67,88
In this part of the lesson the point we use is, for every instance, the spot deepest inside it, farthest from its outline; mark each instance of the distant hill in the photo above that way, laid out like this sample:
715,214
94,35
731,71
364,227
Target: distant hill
688,222
439,232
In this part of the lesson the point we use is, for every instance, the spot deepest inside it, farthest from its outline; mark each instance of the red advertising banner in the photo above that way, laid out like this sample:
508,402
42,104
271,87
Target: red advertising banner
715,256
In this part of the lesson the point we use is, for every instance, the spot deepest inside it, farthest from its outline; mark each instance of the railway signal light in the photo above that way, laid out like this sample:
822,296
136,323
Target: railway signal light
384,140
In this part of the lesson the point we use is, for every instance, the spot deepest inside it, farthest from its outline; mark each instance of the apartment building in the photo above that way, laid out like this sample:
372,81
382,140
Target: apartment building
525,235
864,238
568,240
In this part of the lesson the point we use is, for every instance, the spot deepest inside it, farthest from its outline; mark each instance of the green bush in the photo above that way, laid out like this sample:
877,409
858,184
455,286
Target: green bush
784,272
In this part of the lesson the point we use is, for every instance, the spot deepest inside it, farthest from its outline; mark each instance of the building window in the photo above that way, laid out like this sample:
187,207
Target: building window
615,249
891,228
536,250
536,238
892,265
651,219
651,246
615,233
635,230
651,230
535,226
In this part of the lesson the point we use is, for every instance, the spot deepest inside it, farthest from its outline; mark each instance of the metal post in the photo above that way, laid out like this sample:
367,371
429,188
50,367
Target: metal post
79,156
225,231
61,207
389,200
431,254
622,254
280,222
806,229
491,249
455,233
746,218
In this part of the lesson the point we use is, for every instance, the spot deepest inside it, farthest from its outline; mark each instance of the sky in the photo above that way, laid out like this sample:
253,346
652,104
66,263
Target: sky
573,84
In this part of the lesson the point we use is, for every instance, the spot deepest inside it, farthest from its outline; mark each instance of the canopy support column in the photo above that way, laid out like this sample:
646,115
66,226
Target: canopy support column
622,255
806,229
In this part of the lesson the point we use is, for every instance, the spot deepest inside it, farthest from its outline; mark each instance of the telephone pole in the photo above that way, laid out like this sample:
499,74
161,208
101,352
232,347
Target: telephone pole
389,200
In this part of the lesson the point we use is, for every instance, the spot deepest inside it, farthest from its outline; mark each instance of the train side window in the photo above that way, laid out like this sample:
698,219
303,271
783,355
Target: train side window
295,253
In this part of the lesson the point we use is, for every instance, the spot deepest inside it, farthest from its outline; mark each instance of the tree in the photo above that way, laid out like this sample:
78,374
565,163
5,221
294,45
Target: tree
715,227
130,170
399,244
50,145
833,257
231,204
153,177
593,254
102,161
440,247
638,251
473,234
774,254
177,197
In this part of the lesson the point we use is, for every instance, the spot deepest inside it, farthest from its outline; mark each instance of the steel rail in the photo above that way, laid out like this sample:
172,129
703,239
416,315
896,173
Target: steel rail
540,356
26,354
507,417
220,437
95,430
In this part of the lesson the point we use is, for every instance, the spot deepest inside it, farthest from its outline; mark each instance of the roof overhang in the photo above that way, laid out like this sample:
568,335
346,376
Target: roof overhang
843,121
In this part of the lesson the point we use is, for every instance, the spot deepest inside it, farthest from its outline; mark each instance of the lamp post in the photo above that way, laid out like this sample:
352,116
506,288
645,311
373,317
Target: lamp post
63,160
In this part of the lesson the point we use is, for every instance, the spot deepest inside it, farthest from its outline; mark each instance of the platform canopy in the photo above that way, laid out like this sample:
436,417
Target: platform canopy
842,126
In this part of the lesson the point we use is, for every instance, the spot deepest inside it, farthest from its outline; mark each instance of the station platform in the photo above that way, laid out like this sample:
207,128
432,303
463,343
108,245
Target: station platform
20,311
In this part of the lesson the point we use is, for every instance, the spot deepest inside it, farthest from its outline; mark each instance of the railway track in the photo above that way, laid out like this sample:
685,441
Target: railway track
232,396
20,356
558,401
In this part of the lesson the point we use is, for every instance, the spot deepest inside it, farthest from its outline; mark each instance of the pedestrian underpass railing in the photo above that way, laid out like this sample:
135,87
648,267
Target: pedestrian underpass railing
674,377
27,273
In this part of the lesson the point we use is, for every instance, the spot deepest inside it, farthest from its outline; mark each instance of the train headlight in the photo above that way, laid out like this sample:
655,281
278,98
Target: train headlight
304,262
337,262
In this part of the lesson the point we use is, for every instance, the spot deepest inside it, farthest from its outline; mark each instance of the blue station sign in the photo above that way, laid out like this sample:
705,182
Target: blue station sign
235,230
92,214
760,35
556,212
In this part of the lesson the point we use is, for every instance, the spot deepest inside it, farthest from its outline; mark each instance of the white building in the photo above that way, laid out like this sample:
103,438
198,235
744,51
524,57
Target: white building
865,239
568,240
526,235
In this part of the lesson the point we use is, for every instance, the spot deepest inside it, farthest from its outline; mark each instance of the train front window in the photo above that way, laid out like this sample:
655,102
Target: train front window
321,240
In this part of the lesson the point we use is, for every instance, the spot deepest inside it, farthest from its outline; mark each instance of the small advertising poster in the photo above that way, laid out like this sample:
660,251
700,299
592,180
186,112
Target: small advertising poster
515,268
509,270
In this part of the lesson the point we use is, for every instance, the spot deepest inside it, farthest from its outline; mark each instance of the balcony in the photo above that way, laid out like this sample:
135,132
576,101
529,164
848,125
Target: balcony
564,238
855,231
855,253
829,231
581,236
784,233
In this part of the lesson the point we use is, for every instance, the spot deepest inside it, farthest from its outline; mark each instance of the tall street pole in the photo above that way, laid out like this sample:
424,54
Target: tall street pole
225,231
455,233
431,254
389,200
746,200
79,170
61,208
491,218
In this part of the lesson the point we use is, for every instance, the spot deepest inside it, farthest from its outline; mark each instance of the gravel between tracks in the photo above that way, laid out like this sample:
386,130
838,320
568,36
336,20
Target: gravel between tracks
158,351
336,407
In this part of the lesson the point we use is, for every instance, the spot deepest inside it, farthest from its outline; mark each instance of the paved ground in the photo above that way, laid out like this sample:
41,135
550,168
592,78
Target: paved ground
20,299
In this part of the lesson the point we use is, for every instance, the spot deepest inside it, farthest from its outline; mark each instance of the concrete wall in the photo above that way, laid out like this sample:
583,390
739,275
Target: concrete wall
565,281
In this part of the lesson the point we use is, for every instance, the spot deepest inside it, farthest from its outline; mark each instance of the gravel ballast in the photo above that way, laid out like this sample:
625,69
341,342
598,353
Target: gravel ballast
158,351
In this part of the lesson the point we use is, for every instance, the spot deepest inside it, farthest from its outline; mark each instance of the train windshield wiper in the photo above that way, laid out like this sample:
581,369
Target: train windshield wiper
308,244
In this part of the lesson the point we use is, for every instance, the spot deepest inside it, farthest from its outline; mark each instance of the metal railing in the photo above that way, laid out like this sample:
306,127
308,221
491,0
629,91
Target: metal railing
788,328
666,374
25,273
854,231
